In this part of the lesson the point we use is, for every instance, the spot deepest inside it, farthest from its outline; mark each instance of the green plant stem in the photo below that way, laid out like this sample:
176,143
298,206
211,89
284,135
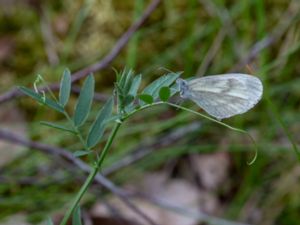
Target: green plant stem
108,144
191,111
77,131
65,114
92,175
104,152
221,123
141,108
99,162
204,116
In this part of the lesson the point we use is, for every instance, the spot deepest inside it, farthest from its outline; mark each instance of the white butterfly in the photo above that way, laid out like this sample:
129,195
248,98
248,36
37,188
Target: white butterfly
223,96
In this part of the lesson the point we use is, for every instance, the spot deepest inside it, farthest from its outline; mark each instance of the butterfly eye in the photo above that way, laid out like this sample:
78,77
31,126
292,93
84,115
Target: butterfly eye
180,82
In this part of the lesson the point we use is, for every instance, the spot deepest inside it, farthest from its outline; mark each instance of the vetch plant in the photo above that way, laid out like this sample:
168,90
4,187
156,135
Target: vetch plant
124,103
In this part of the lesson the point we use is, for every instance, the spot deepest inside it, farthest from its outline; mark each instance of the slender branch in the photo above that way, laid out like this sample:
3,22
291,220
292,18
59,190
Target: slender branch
166,205
211,53
48,37
92,175
197,214
68,156
290,15
143,150
225,18
123,195
223,124
121,43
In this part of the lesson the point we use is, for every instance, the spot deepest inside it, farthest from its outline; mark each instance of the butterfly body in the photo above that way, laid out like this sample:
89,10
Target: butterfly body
223,96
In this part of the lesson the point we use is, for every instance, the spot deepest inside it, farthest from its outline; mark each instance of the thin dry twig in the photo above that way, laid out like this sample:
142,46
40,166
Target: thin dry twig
211,53
290,15
144,150
203,217
48,37
215,11
68,156
278,31
121,43
123,195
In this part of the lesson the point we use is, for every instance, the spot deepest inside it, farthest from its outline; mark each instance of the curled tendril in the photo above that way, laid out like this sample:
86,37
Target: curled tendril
35,86
39,79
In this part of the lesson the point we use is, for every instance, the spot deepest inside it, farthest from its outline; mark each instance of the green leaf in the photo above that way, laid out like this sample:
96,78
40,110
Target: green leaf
128,99
164,94
49,222
97,129
129,108
128,81
135,85
76,219
41,99
155,86
146,98
132,93
118,75
122,78
113,118
65,87
82,153
57,126
125,82
84,102
120,90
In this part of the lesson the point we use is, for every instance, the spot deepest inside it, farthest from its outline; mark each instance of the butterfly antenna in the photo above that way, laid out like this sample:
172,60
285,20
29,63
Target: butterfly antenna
165,69
250,69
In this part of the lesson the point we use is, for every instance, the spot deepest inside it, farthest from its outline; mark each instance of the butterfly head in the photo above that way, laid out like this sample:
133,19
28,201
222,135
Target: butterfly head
183,87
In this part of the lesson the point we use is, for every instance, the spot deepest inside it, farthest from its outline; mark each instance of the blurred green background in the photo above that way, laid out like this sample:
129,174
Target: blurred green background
199,37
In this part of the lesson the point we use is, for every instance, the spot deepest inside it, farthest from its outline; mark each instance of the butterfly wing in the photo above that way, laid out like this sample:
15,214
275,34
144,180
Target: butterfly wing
223,96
